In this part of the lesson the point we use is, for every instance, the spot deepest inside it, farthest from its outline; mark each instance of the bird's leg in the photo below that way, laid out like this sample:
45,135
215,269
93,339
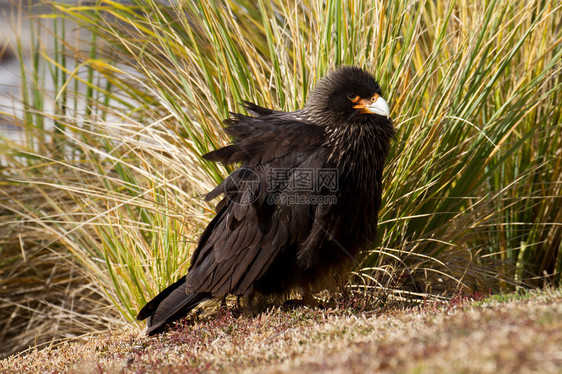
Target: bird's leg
307,299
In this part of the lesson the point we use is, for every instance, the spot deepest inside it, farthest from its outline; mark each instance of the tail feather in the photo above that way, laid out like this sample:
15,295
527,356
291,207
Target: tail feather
169,305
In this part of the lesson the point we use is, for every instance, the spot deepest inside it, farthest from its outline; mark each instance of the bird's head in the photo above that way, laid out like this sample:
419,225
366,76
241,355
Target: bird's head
347,95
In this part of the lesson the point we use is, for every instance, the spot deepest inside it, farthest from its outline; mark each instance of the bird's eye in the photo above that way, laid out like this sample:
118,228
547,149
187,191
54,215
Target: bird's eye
374,98
353,97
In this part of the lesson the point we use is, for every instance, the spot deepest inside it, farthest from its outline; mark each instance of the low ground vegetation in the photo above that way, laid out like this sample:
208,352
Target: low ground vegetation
515,333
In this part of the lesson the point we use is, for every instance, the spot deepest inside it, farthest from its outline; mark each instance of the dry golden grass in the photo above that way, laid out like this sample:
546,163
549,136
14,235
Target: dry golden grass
514,334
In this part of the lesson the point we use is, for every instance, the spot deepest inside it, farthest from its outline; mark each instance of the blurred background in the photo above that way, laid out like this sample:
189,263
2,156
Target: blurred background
9,64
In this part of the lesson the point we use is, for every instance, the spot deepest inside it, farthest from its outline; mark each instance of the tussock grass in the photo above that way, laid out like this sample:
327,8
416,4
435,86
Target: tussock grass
109,180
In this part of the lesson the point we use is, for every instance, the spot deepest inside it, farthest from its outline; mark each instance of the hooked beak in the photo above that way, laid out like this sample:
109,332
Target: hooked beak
378,106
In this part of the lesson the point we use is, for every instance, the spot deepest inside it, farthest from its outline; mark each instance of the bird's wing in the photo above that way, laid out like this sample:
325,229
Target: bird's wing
265,139
251,228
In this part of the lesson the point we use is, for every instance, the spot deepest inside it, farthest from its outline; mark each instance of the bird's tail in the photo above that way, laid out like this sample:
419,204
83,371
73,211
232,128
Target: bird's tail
169,305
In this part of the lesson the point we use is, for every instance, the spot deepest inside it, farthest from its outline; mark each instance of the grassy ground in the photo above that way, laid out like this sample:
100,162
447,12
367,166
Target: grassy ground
500,334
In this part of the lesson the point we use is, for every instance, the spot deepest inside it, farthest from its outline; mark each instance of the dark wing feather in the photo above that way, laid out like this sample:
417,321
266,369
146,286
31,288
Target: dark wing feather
258,110
262,140
246,238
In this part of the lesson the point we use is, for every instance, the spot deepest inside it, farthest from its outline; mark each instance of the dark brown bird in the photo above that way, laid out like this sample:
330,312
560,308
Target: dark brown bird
302,205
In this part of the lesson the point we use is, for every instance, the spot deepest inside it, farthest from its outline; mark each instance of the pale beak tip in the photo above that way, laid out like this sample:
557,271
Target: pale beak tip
380,107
